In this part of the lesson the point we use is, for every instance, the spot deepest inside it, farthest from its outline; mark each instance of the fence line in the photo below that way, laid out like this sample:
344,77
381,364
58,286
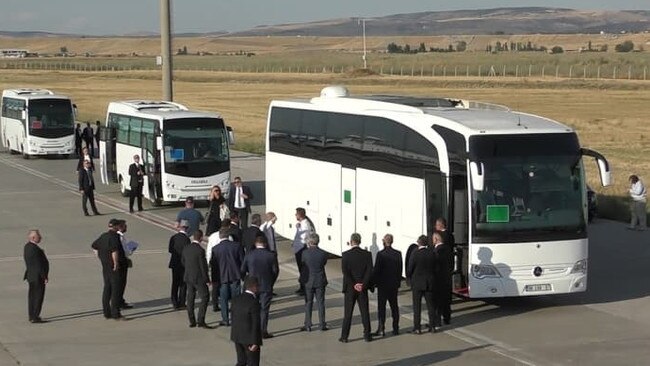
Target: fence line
481,71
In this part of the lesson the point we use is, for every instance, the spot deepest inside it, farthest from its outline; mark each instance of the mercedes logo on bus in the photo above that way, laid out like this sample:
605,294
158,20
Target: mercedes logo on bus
537,271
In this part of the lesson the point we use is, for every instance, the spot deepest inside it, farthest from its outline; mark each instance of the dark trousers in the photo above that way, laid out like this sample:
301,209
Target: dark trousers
35,297
179,289
352,297
90,146
192,290
243,217
227,291
265,304
319,293
111,297
135,192
390,296
124,272
443,302
301,269
417,308
77,147
245,357
86,196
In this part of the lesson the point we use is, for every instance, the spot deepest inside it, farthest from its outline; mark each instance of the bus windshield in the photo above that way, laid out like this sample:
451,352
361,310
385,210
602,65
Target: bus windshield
195,147
534,188
50,118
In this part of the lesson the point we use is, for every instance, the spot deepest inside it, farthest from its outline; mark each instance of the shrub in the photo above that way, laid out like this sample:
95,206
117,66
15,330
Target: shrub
626,46
557,49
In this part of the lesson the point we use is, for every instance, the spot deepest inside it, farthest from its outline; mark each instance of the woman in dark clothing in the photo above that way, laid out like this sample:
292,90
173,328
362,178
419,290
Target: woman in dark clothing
214,220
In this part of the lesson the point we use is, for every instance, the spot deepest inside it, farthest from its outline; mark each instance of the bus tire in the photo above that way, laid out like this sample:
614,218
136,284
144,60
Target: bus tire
123,190
65,156
25,155
156,202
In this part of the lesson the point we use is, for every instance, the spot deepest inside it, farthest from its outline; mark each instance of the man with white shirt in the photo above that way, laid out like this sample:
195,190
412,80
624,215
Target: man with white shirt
269,231
304,227
638,212
213,241
239,201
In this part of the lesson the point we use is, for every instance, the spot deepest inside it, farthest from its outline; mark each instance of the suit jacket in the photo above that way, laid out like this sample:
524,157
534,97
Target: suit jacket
232,194
177,243
387,273
87,133
235,233
421,269
248,237
80,163
444,264
229,256
246,320
85,183
448,238
356,265
196,266
136,180
105,245
263,264
38,267
314,260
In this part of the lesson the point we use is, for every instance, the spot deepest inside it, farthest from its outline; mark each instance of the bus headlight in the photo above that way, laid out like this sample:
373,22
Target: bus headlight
481,271
170,185
580,267
32,143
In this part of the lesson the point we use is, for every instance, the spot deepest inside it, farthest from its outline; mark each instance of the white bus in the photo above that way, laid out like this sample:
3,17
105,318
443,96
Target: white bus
184,152
511,184
37,122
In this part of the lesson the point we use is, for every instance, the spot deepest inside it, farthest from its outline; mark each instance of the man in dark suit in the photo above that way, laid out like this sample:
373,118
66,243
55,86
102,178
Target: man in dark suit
125,263
356,265
251,233
229,256
444,271
97,134
196,279
246,329
78,138
177,243
447,236
85,155
262,264
136,174
88,137
107,249
234,227
387,277
314,260
239,200
36,275
87,188
421,271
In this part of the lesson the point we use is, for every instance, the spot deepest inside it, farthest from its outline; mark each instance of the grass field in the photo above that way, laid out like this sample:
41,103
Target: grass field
609,116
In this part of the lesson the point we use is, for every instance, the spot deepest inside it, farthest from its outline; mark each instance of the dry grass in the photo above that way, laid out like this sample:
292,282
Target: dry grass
611,117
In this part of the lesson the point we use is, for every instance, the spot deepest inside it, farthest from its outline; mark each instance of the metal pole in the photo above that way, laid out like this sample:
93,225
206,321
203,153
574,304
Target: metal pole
365,60
166,49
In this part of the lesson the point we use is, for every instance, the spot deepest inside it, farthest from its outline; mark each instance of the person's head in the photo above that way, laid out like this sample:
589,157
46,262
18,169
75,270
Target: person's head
634,179
437,238
355,239
224,232
85,150
34,236
183,225
270,216
225,223
189,202
234,218
422,240
112,224
260,241
237,181
300,213
216,191
121,226
256,219
78,125
87,164
87,124
97,123
198,235
252,284
313,239
441,224
136,158
388,240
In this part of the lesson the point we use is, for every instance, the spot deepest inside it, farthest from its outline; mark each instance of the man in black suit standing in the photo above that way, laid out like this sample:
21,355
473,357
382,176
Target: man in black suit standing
107,247
251,233
87,188
356,265
196,279
262,264
36,275
239,201
233,227
136,174
387,277
314,260
444,271
88,137
246,329
229,256
447,237
97,134
177,243
421,271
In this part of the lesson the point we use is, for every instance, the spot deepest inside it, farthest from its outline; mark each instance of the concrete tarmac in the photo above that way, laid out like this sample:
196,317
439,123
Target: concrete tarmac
609,324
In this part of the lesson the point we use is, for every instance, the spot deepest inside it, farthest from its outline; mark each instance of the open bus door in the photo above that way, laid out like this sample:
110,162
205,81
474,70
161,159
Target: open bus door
108,169
460,228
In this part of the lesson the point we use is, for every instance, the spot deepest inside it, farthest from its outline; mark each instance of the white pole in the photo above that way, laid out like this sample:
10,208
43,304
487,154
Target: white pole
365,61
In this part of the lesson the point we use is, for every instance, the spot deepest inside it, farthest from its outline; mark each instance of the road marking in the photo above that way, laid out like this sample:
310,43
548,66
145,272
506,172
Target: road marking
79,255
464,335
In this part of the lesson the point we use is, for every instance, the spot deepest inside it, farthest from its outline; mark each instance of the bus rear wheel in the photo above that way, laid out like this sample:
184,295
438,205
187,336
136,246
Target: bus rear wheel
25,155
123,190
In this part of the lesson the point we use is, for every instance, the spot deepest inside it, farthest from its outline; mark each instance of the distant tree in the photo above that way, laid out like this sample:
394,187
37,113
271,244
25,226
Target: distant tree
529,46
604,48
505,46
543,48
422,48
626,46
499,33
63,50
461,46
589,46
394,48
489,48
557,49
513,46
407,48
498,47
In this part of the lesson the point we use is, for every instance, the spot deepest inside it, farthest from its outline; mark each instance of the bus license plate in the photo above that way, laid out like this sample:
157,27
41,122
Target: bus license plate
537,288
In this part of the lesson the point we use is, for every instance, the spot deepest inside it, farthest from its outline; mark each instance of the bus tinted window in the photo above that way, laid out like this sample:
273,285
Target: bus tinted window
383,136
284,129
135,131
344,131
12,108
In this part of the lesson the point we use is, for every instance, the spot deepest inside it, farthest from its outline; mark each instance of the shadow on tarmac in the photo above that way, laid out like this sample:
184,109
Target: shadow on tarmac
430,358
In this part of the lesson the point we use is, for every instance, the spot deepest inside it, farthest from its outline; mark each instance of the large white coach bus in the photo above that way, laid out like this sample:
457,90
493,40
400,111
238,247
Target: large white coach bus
37,122
184,152
511,185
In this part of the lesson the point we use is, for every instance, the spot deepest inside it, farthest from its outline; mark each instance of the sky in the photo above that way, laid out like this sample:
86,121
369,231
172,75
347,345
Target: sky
116,17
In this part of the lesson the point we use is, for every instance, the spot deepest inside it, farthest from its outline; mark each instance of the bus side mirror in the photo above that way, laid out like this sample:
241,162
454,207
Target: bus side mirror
603,166
159,143
477,171
231,135
75,111
23,114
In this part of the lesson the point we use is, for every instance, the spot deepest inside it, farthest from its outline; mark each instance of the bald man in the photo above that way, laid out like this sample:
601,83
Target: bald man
36,275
